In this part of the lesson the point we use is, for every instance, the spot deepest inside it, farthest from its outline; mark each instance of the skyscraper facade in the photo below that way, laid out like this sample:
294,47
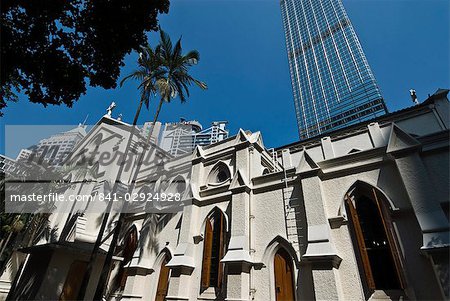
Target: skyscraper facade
332,82
55,149
180,138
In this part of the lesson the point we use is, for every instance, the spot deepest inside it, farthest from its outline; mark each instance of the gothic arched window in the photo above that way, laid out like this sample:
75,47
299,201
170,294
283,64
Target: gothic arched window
129,247
163,280
213,251
374,239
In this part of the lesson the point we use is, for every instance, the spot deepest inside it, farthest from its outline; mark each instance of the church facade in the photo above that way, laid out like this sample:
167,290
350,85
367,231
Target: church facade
358,214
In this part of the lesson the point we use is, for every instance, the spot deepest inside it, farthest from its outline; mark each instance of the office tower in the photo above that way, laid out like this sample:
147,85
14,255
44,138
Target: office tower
24,154
155,131
10,166
54,149
332,82
182,137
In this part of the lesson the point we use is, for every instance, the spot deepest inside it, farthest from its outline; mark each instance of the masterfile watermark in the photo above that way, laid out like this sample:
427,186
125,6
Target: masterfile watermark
108,197
111,168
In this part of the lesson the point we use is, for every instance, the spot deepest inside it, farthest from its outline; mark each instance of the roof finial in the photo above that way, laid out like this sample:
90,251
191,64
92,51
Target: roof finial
413,95
110,109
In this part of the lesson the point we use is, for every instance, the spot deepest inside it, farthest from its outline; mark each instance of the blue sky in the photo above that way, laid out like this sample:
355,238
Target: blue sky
244,63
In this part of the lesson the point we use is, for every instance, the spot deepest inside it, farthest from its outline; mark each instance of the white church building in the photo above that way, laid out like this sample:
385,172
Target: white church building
361,213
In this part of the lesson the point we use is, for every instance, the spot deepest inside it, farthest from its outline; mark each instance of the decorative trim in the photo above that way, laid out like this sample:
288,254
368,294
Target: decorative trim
337,221
198,238
401,143
177,298
325,261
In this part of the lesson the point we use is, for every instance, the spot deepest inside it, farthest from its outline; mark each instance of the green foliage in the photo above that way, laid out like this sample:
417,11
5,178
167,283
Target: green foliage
51,48
147,73
176,79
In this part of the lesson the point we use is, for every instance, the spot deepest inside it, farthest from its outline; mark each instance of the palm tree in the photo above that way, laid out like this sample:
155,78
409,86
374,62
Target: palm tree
147,73
164,70
174,79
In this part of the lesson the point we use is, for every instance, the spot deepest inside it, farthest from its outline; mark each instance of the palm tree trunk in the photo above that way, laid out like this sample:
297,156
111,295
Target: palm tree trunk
104,275
138,111
6,243
161,101
95,249
101,284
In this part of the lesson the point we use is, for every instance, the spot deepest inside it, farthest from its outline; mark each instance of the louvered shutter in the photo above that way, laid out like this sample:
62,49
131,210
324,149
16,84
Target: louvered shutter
221,251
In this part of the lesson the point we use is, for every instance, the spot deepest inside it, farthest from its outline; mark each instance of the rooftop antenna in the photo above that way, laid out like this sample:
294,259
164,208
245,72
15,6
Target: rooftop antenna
413,95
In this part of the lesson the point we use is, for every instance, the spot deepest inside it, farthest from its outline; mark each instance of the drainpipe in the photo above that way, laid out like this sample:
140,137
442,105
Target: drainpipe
252,250
250,230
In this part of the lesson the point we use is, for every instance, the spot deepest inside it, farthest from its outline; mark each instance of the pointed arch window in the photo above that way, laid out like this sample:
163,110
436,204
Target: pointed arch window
374,239
213,251
129,247
163,279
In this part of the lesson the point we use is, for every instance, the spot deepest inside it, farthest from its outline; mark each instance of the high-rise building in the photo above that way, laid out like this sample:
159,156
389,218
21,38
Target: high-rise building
182,137
24,154
10,166
332,82
54,149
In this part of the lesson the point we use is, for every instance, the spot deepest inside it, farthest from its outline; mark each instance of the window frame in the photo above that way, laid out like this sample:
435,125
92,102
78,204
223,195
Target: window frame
208,251
357,237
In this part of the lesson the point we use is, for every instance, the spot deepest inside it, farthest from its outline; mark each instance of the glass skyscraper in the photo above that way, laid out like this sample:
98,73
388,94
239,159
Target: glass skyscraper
332,83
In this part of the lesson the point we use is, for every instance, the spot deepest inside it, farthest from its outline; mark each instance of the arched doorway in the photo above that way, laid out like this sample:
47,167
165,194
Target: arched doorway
284,276
373,238
163,280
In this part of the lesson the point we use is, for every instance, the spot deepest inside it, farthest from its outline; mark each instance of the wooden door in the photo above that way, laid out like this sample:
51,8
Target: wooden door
73,280
361,244
284,276
163,282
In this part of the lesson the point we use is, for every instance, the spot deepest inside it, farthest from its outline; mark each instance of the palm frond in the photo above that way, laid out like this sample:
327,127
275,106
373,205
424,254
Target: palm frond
192,57
177,50
164,70
150,70
135,75
166,45
180,90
